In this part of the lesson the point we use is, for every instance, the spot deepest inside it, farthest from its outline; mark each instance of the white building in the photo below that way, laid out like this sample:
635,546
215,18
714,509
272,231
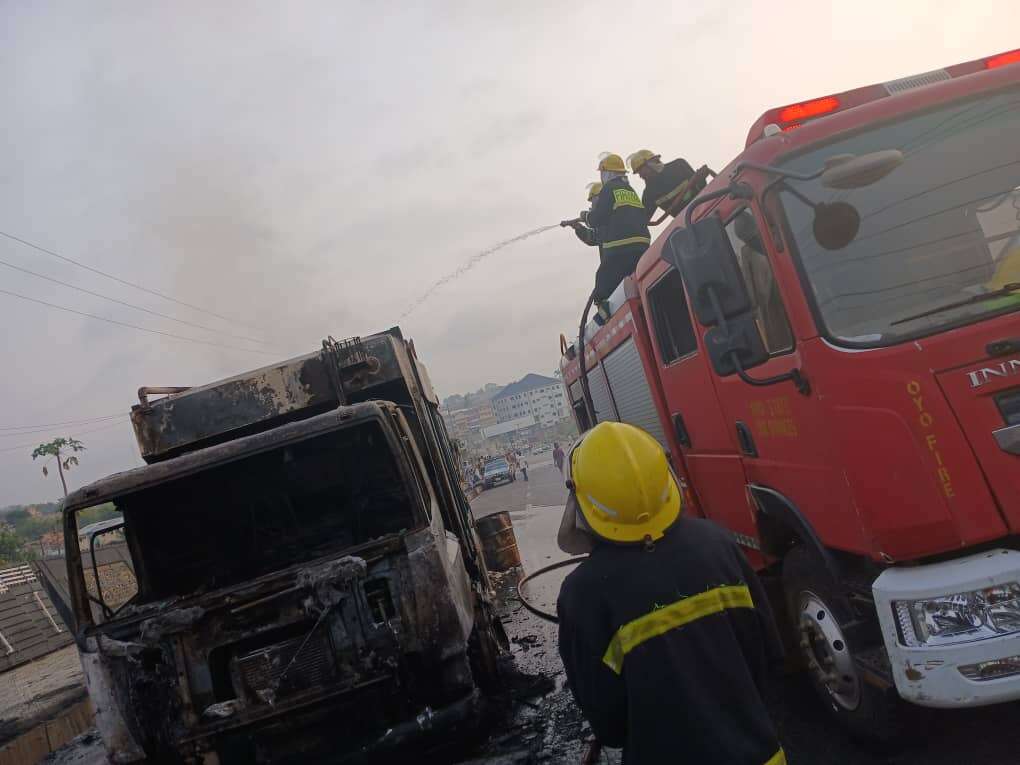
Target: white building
533,395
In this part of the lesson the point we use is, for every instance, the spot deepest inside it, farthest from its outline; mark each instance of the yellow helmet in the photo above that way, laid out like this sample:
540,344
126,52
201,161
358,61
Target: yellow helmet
638,159
593,190
623,484
611,162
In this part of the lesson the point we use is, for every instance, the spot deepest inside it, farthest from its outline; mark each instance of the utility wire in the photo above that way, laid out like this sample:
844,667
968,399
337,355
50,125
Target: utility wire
129,305
64,422
82,433
46,428
122,281
135,326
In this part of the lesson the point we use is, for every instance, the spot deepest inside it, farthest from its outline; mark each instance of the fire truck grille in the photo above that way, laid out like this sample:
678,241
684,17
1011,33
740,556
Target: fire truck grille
286,668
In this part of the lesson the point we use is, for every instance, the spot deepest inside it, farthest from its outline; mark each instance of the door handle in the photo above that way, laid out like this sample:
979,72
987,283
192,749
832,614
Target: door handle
746,440
682,436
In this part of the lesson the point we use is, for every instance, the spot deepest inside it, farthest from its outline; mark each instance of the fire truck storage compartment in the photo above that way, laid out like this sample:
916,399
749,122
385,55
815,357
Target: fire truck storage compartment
601,398
630,390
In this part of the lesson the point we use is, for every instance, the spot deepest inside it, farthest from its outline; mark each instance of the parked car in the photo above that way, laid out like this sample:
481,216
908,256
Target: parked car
497,471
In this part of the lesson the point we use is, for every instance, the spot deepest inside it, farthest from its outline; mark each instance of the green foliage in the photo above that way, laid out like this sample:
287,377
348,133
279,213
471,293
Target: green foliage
30,528
98,513
12,548
58,446
43,507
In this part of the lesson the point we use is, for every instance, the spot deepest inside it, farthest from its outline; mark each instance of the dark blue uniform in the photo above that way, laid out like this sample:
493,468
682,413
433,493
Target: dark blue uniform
668,650
619,227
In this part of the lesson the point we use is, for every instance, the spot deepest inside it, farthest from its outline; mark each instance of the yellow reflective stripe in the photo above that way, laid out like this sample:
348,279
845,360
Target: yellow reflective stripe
628,240
626,198
661,201
779,758
662,620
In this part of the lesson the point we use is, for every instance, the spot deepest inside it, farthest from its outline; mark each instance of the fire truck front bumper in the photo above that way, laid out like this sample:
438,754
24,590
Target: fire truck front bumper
952,629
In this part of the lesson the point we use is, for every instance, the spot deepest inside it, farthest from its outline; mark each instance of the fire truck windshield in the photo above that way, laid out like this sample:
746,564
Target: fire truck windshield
940,229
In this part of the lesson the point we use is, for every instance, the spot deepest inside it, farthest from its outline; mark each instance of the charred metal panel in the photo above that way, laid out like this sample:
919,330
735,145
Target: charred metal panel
263,398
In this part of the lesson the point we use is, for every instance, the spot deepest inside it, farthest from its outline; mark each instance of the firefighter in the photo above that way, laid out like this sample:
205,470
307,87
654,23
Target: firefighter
579,224
665,632
618,217
667,186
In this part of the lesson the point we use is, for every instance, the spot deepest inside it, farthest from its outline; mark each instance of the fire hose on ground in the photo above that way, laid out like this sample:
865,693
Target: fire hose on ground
594,750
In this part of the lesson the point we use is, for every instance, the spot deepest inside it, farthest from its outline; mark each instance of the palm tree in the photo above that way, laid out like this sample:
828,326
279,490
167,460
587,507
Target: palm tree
59,447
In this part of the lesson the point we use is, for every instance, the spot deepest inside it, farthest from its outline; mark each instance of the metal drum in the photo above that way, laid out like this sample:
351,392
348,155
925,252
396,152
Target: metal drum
499,543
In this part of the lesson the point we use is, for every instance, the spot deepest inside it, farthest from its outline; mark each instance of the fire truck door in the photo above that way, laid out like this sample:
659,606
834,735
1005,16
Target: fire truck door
709,447
784,436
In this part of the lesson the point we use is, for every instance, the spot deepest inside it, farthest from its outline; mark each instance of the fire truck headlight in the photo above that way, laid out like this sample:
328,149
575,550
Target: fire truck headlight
960,618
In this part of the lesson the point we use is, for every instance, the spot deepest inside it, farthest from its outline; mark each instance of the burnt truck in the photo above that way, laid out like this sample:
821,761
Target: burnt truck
305,573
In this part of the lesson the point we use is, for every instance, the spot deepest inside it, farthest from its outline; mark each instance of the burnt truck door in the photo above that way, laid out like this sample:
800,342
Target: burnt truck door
709,447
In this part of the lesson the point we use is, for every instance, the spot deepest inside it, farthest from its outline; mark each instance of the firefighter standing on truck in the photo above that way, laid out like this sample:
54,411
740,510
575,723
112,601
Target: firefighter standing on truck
617,224
665,632
666,185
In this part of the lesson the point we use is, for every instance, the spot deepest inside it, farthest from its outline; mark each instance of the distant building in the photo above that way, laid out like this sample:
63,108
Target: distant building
467,424
535,396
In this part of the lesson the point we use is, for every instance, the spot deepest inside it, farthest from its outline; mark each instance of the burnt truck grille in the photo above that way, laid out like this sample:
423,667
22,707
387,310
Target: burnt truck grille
285,668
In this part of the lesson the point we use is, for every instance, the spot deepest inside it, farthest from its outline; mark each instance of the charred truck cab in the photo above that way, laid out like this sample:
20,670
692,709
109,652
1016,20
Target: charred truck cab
307,576
828,344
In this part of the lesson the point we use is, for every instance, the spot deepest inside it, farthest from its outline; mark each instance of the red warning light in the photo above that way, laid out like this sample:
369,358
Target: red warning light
1003,59
809,109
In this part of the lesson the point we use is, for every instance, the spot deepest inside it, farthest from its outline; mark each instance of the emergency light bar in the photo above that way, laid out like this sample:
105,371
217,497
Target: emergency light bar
792,116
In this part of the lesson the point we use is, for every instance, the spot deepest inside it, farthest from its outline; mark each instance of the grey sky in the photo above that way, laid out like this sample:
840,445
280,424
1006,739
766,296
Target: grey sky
312,167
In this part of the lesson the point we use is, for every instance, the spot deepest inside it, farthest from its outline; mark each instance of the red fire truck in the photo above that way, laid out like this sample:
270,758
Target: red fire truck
827,342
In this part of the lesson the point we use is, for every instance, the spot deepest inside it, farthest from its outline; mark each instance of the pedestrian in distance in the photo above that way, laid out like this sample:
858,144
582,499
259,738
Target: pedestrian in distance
524,467
665,632
558,457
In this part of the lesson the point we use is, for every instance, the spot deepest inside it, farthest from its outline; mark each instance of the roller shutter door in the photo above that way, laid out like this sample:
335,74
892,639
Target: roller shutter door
600,397
630,390
575,392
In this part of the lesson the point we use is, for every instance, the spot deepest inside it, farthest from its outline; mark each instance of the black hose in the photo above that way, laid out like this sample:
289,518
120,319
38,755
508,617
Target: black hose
549,617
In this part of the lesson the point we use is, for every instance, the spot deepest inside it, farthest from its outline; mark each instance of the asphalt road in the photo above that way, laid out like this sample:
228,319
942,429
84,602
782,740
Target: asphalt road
988,735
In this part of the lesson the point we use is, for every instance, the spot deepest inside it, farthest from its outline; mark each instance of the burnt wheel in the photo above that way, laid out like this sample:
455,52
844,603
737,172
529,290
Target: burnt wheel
819,618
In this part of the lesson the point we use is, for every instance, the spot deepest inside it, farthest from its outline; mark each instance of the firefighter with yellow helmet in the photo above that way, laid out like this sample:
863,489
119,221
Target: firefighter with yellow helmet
668,186
616,223
665,632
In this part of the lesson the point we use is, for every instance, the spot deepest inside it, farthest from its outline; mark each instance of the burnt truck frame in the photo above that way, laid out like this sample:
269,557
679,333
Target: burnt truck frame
308,574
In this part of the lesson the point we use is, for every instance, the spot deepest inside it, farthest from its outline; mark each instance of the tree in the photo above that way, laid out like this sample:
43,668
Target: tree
59,448
11,548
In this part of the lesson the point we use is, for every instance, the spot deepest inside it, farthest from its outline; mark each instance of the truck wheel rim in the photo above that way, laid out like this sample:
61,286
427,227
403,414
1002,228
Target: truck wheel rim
827,652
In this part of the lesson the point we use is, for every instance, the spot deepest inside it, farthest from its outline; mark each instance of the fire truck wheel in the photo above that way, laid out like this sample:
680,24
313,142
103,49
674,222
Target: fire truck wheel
818,616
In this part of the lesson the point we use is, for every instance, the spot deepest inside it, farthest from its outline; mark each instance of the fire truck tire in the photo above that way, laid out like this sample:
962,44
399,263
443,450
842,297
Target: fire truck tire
818,615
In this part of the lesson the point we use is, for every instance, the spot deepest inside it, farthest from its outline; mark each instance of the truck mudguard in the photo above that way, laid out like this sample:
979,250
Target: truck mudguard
781,525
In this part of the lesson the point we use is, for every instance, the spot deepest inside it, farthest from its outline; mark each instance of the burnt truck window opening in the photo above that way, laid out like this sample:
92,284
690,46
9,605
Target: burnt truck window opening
936,234
237,521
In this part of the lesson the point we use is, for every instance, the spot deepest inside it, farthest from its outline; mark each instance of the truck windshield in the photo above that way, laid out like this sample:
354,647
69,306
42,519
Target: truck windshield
260,514
936,234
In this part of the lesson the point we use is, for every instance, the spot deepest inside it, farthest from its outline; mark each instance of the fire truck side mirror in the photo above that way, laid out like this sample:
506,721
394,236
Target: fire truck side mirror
704,257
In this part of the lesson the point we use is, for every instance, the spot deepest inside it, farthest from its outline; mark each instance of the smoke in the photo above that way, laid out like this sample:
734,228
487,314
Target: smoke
471,262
